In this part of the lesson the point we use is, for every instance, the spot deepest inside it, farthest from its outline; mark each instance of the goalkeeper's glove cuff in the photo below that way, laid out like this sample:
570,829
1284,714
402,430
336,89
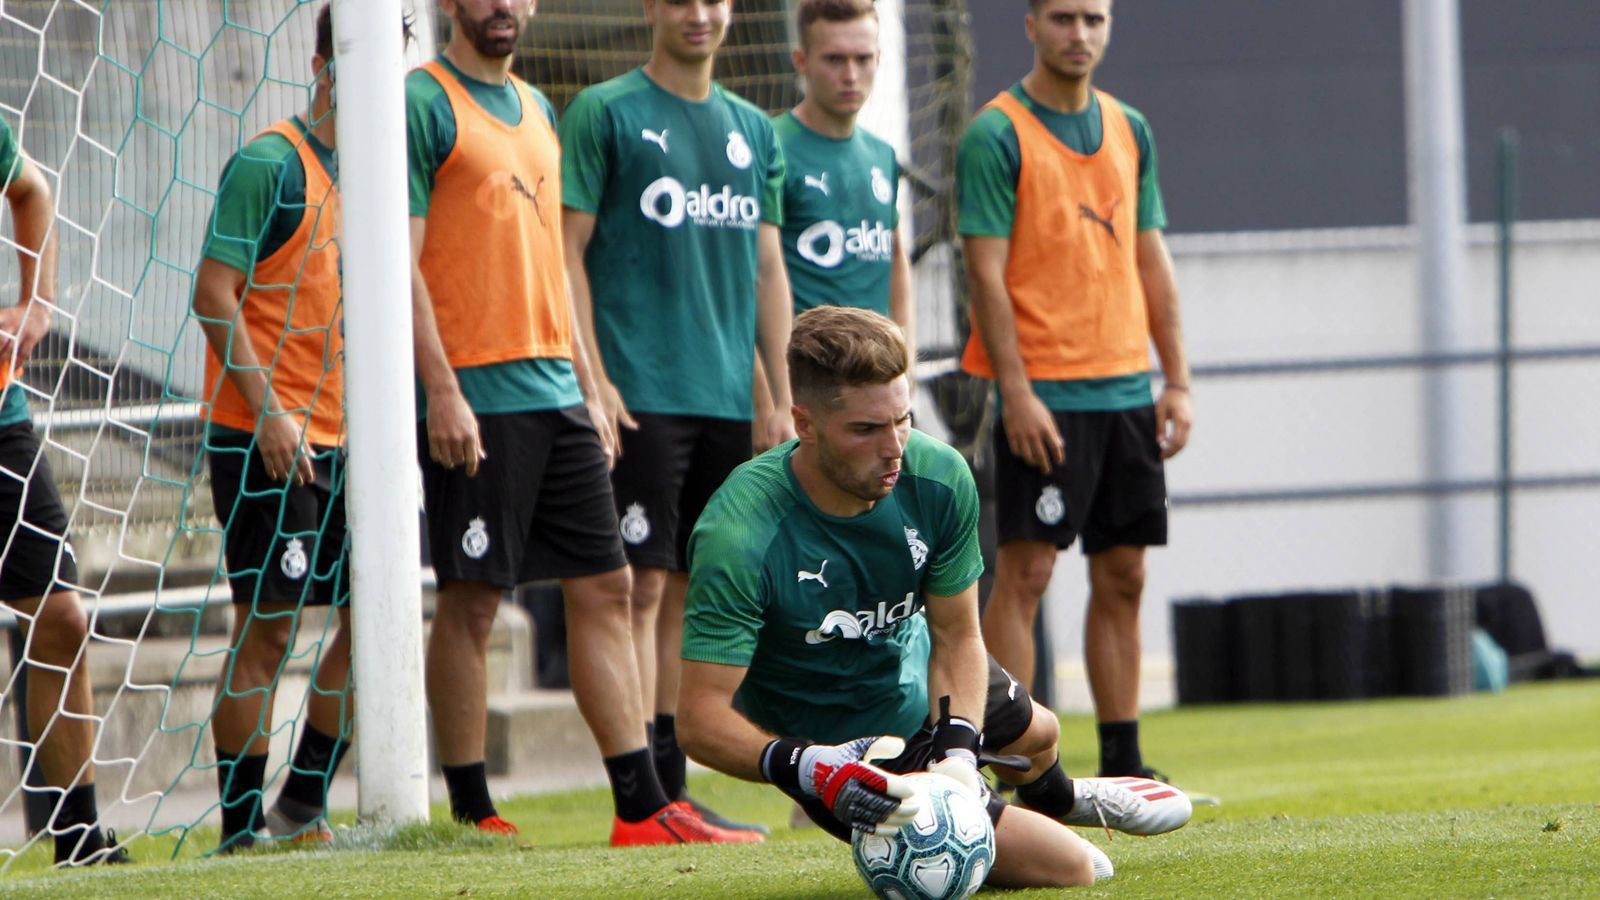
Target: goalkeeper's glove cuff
780,764
955,736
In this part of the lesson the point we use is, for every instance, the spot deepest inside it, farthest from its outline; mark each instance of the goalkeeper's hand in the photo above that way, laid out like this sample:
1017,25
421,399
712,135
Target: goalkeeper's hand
858,793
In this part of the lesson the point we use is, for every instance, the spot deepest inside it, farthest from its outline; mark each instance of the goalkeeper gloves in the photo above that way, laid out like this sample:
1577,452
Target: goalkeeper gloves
858,793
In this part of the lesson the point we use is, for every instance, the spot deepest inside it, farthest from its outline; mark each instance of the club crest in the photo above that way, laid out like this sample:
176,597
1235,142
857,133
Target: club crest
635,525
882,188
919,549
738,151
1051,508
475,540
293,564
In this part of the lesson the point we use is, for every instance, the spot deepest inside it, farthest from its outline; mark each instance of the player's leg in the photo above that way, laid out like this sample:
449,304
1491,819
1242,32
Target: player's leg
1129,514
1037,515
457,687
324,735
34,574
269,539
1112,652
576,539
721,446
1020,726
477,529
60,719
647,585
242,716
1032,850
1022,574
647,484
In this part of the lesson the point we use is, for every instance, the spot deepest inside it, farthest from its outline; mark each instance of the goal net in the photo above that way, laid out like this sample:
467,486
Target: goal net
130,109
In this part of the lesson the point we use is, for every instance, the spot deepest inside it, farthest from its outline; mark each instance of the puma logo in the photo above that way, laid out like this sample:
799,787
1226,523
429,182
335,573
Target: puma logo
1088,212
803,576
820,184
657,138
519,187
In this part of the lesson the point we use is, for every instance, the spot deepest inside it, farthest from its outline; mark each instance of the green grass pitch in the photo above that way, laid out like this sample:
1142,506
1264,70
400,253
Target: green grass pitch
1472,797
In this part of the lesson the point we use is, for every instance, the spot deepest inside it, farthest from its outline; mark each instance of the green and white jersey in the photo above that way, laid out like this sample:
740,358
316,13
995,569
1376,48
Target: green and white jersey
14,409
678,190
827,612
839,216
988,165
522,385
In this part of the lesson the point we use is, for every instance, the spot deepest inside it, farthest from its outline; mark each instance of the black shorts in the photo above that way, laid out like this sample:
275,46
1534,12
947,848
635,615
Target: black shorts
669,469
1007,713
539,507
1112,489
36,555
294,535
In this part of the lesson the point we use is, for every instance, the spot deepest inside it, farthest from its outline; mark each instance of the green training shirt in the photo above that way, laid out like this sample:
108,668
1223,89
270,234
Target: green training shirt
14,409
839,216
826,612
988,164
521,385
678,190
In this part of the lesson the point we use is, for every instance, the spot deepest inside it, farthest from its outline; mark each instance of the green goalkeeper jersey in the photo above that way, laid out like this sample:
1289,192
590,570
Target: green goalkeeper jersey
827,612
839,216
679,190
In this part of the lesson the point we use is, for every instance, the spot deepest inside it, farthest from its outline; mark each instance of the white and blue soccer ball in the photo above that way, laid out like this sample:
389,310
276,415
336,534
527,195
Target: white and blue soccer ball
945,853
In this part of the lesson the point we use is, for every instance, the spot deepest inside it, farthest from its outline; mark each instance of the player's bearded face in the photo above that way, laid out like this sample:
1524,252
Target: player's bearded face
494,32
689,30
860,443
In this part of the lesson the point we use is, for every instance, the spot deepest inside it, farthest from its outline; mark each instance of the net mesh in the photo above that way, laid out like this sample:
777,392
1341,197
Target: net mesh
131,109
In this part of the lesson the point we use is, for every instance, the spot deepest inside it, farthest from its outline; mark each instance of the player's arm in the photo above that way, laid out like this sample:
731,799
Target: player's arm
583,366
452,428
1174,409
902,306
33,213
280,439
577,230
1030,428
774,317
710,729
958,677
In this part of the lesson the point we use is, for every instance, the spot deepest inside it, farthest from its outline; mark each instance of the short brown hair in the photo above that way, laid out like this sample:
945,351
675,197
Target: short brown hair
830,11
835,347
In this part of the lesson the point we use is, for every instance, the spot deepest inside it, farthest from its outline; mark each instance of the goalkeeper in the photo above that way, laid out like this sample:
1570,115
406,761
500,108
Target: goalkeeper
833,599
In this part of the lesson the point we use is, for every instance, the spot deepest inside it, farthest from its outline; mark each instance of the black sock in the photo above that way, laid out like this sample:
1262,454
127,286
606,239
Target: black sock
469,793
671,764
635,789
79,837
1050,793
1119,748
315,760
239,780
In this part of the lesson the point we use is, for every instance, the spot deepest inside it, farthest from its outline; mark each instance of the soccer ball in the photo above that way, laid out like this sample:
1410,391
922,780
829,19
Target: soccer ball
944,854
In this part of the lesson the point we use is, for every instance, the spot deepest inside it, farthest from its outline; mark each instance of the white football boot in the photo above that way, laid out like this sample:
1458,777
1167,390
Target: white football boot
1101,863
1129,804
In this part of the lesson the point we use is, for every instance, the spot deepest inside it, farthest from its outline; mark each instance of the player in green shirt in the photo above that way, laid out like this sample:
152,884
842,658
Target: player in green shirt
38,563
673,193
841,236
832,619
1075,456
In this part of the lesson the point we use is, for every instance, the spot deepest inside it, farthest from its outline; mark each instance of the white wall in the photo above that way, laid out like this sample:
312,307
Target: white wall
1304,296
